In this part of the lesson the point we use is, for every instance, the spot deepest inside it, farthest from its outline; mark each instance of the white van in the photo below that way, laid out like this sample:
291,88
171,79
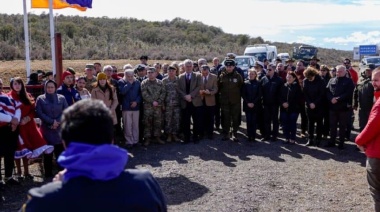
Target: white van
261,52
283,57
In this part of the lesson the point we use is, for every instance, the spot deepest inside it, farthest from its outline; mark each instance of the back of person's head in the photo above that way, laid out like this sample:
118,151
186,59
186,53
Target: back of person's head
87,121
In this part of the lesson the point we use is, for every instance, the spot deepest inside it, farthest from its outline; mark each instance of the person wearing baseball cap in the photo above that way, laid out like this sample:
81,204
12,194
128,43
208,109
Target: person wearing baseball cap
144,59
363,95
229,85
90,77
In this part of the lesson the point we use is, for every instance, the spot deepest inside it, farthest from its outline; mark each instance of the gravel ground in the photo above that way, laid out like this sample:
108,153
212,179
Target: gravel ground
217,175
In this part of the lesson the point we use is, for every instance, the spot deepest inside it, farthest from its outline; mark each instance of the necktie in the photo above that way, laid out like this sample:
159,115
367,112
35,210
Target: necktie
205,81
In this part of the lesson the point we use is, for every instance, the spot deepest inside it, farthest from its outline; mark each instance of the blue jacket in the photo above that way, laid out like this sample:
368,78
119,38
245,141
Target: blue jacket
71,96
129,93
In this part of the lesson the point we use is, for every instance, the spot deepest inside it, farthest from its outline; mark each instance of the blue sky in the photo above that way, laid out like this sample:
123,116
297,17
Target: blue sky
324,23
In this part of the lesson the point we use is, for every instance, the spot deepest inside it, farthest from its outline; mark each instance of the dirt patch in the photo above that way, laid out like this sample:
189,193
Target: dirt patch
220,175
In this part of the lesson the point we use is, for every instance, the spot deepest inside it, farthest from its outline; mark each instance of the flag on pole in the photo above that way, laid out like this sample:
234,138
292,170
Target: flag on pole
81,5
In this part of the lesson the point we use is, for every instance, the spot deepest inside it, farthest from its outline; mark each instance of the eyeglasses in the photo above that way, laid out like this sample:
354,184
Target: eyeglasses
269,69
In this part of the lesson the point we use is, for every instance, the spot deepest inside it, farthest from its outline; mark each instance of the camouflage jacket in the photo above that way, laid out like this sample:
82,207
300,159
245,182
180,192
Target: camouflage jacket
172,95
153,91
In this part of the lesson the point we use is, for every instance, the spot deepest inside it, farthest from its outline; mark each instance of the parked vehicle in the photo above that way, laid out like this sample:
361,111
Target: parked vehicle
304,52
261,52
245,62
283,57
371,59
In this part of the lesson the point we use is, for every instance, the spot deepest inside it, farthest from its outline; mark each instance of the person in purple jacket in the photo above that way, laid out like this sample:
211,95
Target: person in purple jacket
94,178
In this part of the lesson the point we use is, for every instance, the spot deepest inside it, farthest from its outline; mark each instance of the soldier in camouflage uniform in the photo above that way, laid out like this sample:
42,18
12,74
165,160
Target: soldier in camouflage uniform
153,94
172,105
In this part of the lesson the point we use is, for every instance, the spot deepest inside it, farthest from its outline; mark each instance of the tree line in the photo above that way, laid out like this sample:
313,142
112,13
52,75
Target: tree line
91,38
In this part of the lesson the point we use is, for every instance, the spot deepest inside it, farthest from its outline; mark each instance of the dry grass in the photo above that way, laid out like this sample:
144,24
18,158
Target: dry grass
9,69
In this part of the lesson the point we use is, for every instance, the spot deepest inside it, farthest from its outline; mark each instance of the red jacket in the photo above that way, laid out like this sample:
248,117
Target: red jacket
370,136
354,75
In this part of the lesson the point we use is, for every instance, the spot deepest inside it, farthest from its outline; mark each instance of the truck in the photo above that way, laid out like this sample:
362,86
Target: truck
261,52
304,52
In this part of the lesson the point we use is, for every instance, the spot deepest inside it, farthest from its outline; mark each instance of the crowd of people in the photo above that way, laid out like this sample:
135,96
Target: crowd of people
188,101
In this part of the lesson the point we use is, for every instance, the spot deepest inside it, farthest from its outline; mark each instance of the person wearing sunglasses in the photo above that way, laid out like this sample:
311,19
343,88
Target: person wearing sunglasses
271,89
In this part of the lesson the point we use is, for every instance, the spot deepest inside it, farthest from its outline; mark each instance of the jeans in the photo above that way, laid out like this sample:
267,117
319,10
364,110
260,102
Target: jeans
289,124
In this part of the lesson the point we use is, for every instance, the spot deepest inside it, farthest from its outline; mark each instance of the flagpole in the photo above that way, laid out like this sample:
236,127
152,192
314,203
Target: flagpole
26,38
51,16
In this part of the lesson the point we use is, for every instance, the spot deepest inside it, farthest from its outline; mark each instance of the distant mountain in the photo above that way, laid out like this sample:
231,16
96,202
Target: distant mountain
128,38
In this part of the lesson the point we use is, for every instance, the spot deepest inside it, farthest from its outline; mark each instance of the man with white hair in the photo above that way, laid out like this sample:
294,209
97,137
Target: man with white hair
129,90
339,94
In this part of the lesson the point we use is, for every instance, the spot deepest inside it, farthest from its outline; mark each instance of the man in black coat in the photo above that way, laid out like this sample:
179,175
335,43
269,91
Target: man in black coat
271,91
339,94
94,178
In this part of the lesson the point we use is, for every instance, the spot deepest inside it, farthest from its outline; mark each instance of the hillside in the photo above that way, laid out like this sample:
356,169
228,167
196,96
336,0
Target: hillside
88,38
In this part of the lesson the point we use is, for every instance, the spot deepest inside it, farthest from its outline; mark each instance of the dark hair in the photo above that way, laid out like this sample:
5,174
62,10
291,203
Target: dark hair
302,61
82,78
291,73
107,87
25,98
87,121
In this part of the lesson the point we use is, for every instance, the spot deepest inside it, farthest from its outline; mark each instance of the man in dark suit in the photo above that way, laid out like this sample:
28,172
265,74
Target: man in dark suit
189,84
94,178
208,90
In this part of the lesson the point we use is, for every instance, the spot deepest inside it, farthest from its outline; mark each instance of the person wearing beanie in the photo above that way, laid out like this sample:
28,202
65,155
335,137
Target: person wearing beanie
101,76
105,92
67,88
94,178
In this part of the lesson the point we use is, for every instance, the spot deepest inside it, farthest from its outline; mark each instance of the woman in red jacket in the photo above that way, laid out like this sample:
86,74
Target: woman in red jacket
30,137
369,142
